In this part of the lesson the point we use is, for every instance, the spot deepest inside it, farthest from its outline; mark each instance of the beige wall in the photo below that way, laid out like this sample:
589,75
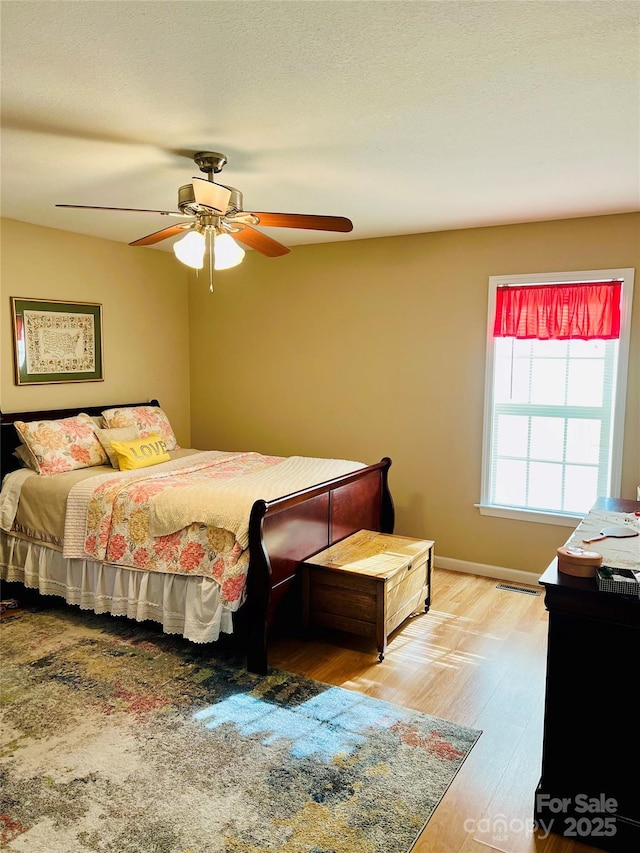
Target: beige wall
369,348
357,349
144,316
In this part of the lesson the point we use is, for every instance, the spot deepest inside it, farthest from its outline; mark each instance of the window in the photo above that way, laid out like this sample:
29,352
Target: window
557,353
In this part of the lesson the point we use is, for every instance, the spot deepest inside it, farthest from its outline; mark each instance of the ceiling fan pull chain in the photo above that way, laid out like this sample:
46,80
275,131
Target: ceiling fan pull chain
211,238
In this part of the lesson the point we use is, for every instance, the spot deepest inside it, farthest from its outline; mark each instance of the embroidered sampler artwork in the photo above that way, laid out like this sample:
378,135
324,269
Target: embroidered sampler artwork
59,343
56,341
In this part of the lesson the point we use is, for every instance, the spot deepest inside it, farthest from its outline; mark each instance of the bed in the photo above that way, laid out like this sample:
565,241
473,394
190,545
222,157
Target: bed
279,532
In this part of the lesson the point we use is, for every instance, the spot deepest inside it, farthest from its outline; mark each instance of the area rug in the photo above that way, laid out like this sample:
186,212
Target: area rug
119,739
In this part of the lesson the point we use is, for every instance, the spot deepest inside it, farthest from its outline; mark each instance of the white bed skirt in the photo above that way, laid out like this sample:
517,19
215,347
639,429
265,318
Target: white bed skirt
185,605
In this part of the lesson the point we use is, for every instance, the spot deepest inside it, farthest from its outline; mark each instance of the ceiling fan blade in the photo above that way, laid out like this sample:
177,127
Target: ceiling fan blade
303,220
260,242
126,209
157,236
210,194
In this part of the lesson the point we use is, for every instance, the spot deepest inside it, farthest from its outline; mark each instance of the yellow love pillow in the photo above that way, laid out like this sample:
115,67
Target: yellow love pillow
140,452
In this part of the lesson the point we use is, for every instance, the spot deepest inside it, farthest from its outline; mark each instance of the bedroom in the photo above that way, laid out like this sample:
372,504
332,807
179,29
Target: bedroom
357,348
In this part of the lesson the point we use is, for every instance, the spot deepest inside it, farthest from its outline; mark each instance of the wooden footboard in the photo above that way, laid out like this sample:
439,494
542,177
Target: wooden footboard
284,532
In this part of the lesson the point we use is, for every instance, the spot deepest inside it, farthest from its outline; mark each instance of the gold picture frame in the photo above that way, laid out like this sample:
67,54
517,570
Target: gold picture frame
55,342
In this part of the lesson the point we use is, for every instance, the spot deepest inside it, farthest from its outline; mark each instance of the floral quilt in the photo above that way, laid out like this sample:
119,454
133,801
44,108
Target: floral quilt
117,525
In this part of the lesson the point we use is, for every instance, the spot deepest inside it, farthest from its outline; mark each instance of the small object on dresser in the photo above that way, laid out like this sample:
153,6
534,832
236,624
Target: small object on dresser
620,581
616,531
573,560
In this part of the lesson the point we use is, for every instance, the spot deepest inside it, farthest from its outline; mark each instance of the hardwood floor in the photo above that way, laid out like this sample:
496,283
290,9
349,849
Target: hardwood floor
477,658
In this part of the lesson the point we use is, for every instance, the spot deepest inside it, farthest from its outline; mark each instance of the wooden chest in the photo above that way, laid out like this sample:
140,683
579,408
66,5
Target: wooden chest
368,584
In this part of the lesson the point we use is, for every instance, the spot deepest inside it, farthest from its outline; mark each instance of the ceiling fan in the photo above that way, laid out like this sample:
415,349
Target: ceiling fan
215,222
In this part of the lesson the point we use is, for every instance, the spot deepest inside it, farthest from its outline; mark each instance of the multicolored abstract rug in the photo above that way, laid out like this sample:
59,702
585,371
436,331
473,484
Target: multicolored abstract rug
119,739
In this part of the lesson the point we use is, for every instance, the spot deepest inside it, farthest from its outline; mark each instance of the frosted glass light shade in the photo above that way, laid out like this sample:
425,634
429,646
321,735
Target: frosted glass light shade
190,249
227,253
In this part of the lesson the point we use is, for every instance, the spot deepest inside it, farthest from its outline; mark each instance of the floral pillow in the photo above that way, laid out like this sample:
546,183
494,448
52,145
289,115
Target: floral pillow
147,420
63,445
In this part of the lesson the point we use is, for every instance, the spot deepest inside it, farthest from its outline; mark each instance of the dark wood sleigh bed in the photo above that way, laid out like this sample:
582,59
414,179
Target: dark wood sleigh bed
282,532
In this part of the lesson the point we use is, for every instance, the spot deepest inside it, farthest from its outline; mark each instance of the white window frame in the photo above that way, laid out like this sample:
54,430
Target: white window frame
626,276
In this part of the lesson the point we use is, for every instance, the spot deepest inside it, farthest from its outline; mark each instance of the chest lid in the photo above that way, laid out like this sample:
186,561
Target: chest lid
373,554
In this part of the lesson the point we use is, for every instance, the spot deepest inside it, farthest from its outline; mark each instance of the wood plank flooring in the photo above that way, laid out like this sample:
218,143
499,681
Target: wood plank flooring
477,658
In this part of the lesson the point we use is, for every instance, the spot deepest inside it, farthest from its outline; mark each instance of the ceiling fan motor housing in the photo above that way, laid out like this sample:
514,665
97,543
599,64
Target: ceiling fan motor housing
187,201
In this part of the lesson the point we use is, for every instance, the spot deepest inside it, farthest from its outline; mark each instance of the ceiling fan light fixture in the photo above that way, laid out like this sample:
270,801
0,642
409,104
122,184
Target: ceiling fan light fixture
227,253
190,249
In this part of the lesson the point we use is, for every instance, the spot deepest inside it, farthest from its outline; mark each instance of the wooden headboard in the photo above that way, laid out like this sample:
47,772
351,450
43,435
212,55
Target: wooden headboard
9,436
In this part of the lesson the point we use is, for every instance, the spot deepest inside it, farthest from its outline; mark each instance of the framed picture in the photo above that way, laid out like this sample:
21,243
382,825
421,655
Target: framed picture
56,341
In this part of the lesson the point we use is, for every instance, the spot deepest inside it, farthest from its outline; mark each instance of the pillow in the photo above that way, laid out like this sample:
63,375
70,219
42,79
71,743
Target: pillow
106,436
140,452
25,457
147,419
63,445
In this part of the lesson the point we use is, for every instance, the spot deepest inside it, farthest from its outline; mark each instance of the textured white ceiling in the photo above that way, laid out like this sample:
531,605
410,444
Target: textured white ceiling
406,117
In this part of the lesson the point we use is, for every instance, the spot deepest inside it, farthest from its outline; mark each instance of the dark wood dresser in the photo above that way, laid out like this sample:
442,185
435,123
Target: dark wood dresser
589,788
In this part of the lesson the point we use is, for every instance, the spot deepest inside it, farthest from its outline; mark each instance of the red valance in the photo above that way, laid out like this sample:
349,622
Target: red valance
586,310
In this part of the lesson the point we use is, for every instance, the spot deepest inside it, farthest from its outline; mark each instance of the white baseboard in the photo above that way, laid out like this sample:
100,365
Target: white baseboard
484,570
